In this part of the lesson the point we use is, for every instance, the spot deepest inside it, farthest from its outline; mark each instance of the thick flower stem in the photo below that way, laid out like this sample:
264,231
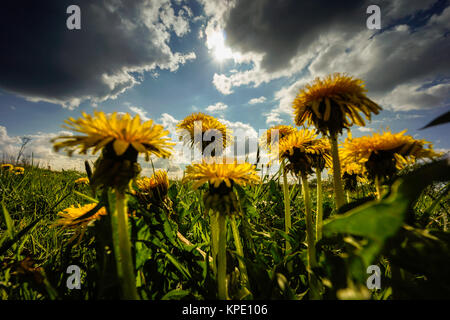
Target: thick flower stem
122,248
287,204
378,187
319,219
215,231
337,181
240,251
312,263
222,258
445,220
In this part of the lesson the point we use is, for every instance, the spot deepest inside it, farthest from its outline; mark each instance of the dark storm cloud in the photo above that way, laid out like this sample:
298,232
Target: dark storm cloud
280,28
409,53
42,60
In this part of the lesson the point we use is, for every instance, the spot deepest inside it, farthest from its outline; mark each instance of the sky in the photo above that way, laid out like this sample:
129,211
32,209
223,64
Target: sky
241,61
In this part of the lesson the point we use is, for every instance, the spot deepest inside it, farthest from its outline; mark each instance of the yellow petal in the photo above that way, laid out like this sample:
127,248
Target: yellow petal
139,147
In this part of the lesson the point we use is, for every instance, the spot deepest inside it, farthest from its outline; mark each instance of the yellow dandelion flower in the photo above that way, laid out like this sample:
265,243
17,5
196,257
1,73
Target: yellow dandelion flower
217,173
333,103
383,154
187,126
221,178
299,140
69,219
82,180
353,168
7,167
269,138
352,172
118,131
153,189
159,178
120,138
18,170
304,151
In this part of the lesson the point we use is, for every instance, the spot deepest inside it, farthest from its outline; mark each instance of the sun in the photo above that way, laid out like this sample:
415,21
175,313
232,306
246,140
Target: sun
216,42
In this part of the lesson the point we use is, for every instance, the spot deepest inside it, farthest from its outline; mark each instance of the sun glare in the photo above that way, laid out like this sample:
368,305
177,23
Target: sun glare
217,43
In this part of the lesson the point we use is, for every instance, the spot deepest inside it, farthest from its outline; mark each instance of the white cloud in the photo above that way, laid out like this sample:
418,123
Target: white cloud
217,108
40,149
286,95
407,97
364,129
141,112
168,121
179,23
257,100
273,117
222,83
255,76
240,129
8,145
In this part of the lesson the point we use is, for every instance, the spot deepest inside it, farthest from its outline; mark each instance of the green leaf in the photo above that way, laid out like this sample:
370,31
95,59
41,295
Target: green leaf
85,196
175,294
178,265
380,220
8,220
443,118
168,230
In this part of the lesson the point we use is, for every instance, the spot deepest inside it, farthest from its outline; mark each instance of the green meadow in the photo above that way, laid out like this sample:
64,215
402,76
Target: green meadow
405,235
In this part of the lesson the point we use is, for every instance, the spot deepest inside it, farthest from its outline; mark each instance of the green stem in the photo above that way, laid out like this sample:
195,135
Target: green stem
312,263
309,223
319,220
444,220
122,248
240,251
337,181
287,204
378,187
222,258
215,231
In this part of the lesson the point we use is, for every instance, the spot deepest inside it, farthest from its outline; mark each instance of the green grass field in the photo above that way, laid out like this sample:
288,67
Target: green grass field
405,237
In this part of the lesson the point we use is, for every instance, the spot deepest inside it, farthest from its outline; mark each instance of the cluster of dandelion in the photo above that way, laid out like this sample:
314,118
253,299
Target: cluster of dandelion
7,167
328,105
381,156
